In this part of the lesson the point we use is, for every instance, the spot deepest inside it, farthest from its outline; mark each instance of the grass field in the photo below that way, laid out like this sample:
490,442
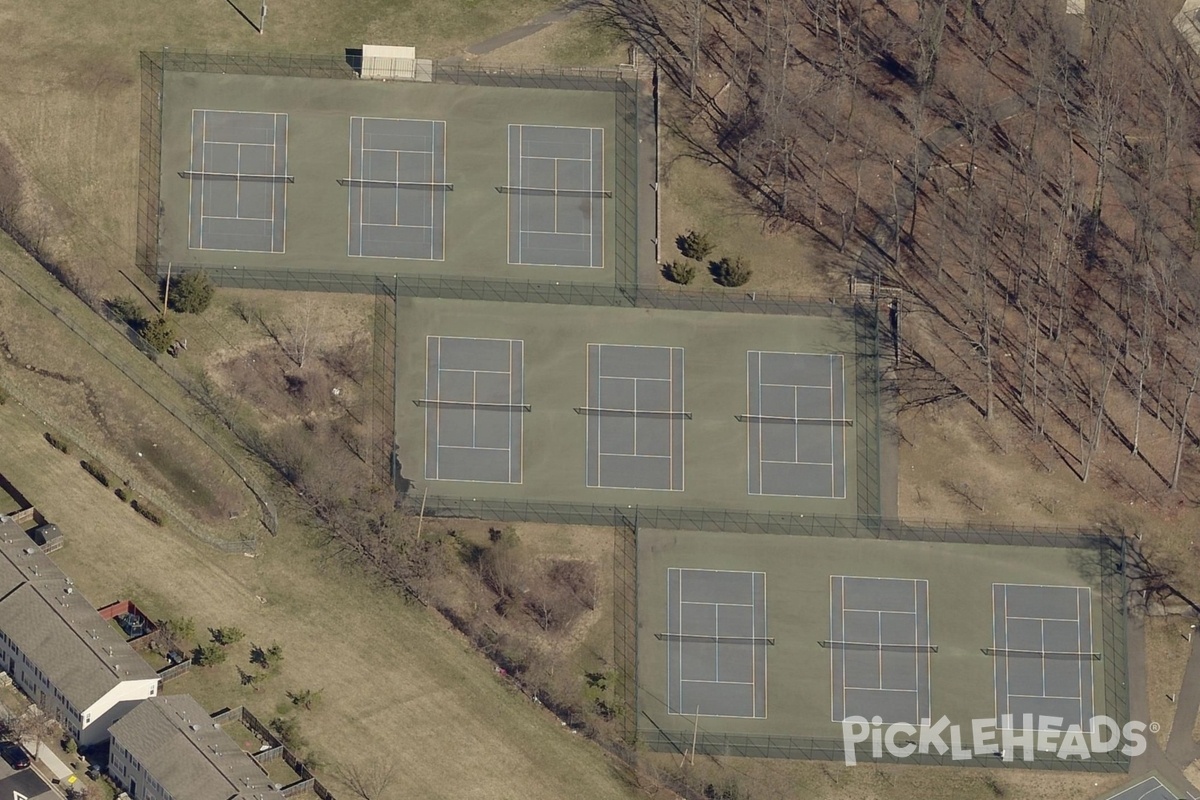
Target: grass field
89,400
397,685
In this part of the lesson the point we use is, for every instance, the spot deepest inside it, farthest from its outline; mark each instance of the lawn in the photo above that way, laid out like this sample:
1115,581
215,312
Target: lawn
397,686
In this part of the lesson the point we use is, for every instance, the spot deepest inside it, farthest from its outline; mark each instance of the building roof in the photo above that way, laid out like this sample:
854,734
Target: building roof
56,627
177,743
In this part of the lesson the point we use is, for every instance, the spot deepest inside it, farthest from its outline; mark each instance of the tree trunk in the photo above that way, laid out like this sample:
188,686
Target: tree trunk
1187,404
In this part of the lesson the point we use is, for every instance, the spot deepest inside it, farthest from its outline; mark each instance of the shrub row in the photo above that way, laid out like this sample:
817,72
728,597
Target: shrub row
148,511
96,472
57,443
730,272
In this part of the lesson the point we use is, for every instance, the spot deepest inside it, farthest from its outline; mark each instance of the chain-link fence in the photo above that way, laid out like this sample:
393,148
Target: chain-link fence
154,66
383,385
625,616
1109,559
760,522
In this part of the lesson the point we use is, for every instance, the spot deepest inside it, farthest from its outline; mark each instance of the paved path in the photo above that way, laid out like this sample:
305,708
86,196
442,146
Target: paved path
520,32
1154,759
1181,747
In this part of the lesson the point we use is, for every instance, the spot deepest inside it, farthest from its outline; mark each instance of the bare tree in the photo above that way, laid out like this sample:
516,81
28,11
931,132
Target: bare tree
371,782
1183,422
33,726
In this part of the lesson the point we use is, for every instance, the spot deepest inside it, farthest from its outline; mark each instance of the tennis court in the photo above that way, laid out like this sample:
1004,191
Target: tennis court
864,627
555,196
458,178
796,424
1043,654
879,649
716,640
237,181
474,409
635,417
627,406
398,187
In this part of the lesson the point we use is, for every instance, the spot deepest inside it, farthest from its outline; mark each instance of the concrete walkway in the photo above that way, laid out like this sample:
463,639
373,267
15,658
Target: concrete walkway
520,32
50,760
1181,747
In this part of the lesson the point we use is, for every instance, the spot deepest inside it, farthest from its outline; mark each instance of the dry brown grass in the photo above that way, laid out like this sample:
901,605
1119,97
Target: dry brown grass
90,401
578,41
700,197
397,685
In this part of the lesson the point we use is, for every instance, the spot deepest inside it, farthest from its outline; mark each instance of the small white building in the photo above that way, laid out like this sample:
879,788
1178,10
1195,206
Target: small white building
57,648
168,748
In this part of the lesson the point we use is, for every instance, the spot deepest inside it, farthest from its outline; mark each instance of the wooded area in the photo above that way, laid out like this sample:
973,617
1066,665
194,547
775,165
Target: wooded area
1024,173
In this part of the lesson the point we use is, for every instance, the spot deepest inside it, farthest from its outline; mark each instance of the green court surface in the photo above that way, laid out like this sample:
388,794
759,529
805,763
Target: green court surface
471,217
565,371
797,694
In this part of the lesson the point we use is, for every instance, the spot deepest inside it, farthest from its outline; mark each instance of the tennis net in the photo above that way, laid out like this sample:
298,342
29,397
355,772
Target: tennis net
710,639
1058,655
589,411
237,176
830,644
531,190
431,185
794,420
426,402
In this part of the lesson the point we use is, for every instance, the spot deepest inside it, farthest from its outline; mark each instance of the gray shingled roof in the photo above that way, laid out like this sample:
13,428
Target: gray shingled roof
56,627
178,744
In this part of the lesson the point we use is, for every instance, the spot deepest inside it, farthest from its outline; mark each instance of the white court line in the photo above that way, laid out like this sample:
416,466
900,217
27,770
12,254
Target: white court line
876,611
796,385
282,187
1051,619
682,427
1046,697
1042,586
628,378
727,683
753,650
557,158
879,689
474,447
832,431
680,645
521,211
799,463
633,455
393,150
438,411
239,219
1007,662
397,225
203,168
480,371
717,644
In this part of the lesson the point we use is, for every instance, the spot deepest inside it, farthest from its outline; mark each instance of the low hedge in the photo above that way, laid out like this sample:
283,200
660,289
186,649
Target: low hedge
56,442
148,511
96,472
